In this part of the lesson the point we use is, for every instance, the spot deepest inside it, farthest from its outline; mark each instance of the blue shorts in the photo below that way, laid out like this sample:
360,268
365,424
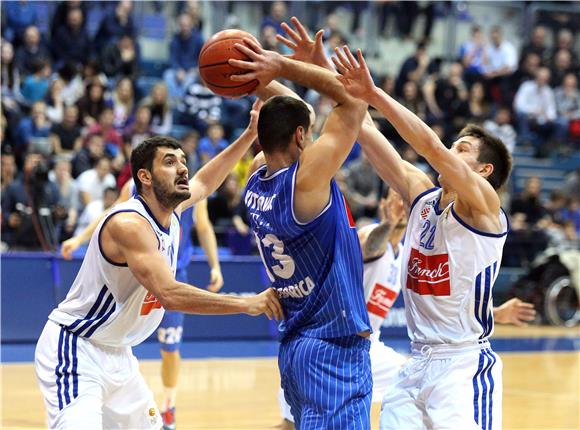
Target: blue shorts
327,382
171,327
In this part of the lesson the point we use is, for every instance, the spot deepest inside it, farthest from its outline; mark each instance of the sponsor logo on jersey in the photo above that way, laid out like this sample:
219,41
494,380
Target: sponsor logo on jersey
150,302
428,274
381,300
299,290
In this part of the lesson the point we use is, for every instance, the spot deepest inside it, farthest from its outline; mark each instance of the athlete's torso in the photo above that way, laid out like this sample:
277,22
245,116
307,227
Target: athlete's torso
106,303
448,273
382,284
316,267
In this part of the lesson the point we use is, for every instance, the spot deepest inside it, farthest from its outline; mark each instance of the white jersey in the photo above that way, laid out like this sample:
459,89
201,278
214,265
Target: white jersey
449,269
106,303
382,284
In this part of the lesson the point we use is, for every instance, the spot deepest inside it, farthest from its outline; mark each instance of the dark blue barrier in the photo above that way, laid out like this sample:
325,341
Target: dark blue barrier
34,283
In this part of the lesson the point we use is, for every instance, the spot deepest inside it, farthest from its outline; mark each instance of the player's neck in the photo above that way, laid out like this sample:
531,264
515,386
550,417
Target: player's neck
278,161
161,213
447,196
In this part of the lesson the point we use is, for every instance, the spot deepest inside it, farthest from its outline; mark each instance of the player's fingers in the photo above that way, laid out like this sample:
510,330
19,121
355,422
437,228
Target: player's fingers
343,60
290,32
246,77
277,306
248,65
268,313
528,314
249,52
350,57
339,66
526,305
253,44
361,59
318,36
286,42
301,29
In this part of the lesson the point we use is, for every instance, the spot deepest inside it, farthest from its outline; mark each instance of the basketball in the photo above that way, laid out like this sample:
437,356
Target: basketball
214,69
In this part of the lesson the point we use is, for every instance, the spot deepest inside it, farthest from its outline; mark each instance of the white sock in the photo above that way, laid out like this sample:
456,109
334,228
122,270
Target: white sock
170,394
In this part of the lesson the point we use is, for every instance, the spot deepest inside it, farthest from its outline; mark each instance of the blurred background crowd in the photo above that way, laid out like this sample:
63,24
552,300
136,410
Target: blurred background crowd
83,83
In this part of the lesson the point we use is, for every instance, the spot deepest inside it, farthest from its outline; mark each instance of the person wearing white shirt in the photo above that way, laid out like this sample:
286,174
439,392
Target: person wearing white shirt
535,108
93,182
499,62
95,209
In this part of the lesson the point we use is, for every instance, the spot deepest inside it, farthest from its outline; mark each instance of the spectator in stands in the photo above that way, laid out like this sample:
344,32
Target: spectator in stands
68,203
92,151
113,139
11,97
121,59
139,129
96,208
66,136
268,40
413,69
561,66
17,16
189,144
117,23
278,11
93,182
212,144
528,202
535,109
33,132
537,45
92,104
527,70
479,108
572,184
194,9
568,108
35,86
123,102
60,15
158,104
7,170
199,108
31,51
362,187
71,43
183,54
55,101
413,100
502,128
23,227
571,213
472,55
501,61
74,87
565,41
242,168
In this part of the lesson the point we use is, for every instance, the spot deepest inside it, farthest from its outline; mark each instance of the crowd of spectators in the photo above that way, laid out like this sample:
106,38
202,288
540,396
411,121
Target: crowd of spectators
74,106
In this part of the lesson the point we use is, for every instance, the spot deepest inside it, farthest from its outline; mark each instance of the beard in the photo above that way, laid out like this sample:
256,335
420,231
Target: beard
167,196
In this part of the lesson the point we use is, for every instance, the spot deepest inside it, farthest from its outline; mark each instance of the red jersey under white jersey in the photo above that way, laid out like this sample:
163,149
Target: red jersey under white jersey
448,273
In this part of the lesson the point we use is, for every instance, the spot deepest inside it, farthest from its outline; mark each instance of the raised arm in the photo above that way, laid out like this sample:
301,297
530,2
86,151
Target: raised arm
472,190
214,172
207,240
128,237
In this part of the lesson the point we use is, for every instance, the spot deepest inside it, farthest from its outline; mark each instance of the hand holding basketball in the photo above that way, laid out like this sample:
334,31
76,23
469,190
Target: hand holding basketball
264,66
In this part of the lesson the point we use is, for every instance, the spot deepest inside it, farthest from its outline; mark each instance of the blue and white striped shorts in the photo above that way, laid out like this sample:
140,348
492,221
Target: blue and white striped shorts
327,382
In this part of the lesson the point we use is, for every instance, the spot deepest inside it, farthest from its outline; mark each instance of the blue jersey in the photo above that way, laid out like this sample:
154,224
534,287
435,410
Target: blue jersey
315,267
185,245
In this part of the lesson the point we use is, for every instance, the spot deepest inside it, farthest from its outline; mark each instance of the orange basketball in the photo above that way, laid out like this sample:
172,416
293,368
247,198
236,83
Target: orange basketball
214,68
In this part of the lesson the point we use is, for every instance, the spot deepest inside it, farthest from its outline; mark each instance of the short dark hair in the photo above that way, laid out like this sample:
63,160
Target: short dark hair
493,151
143,155
279,118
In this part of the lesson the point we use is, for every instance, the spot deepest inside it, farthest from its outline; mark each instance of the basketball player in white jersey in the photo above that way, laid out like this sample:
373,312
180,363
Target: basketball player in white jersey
87,373
453,249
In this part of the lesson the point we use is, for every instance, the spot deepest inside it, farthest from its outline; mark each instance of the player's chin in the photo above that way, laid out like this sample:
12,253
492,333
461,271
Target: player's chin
182,195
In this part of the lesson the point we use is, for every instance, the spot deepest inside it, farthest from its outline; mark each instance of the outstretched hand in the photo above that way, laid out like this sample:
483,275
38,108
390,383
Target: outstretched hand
305,48
68,247
263,65
354,75
515,312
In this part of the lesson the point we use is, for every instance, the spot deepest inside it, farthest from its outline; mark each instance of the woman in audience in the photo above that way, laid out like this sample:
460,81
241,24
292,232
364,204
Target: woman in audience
123,102
158,104
92,104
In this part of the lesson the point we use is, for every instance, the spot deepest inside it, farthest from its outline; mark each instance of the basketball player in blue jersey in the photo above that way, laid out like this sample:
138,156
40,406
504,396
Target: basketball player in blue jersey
453,251
87,372
170,329
309,245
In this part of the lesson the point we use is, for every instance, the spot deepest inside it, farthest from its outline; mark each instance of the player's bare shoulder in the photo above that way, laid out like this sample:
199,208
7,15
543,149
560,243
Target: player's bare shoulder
123,231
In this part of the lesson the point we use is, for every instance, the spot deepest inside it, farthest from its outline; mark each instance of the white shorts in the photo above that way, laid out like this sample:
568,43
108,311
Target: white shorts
385,363
446,388
89,386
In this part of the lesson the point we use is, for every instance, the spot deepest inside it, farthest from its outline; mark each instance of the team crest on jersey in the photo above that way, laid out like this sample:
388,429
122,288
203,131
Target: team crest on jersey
381,300
150,302
428,274
425,212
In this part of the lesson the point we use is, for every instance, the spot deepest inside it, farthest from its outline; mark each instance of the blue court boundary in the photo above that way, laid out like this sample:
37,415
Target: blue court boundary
22,353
